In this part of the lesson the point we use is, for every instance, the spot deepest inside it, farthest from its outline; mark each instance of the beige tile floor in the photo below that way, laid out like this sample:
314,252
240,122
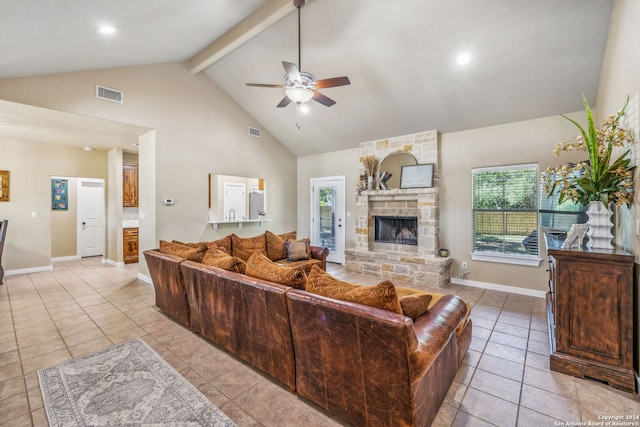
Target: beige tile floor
84,306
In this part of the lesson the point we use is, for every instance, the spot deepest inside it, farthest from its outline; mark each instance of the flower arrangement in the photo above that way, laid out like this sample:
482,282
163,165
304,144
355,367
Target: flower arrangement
598,178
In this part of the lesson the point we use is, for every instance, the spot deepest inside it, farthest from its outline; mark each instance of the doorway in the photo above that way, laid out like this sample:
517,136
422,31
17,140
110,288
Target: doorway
328,216
235,201
91,215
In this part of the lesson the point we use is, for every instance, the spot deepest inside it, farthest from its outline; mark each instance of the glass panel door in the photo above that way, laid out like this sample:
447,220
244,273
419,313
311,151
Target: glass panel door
327,213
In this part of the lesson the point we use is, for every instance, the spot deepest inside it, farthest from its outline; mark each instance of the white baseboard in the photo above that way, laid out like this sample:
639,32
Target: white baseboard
65,258
146,279
112,262
42,269
501,288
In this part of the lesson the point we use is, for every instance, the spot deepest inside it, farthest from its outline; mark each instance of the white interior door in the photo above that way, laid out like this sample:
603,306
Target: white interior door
235,201
328,216
91,217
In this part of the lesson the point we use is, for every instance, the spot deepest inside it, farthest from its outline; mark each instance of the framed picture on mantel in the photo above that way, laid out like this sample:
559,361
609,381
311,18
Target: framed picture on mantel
418,176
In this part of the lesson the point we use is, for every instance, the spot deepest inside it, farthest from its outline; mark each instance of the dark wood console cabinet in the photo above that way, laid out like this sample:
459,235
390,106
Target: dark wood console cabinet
590,314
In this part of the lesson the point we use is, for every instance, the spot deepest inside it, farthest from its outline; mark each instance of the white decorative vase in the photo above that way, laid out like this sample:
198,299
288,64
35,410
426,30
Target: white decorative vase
370,183
600,225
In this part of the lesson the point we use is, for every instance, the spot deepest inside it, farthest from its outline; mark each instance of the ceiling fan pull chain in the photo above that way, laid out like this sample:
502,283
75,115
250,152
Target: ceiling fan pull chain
298,115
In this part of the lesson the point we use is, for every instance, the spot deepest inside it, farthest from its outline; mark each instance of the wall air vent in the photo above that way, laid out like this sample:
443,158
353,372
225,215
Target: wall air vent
255,132
109,94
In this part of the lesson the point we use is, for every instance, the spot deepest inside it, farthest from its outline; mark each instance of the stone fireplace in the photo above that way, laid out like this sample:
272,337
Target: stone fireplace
397,230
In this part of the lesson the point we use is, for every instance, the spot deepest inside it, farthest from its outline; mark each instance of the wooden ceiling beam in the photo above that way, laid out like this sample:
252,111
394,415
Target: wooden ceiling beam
268,14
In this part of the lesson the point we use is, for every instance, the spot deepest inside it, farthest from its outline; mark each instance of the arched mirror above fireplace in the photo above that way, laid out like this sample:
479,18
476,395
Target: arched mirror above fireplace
393,164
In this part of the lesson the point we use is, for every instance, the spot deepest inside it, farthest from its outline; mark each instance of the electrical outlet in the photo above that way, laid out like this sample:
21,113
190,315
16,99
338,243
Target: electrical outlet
464,265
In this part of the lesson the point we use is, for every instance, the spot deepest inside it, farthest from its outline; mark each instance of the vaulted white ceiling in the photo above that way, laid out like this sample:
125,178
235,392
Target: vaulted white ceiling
529,59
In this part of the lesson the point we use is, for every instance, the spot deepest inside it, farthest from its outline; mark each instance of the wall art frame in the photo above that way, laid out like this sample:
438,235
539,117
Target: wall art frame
4,186
59,194
417,176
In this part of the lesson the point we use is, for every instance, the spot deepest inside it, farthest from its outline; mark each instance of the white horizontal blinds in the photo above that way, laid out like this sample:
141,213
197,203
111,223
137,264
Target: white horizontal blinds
505,209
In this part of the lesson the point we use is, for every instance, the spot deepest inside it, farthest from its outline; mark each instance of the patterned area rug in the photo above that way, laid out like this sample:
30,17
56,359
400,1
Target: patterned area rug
128,384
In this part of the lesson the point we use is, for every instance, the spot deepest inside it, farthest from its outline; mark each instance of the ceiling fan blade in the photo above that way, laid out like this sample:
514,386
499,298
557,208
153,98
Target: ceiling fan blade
285,101
292,72
333,82
322,99
264,85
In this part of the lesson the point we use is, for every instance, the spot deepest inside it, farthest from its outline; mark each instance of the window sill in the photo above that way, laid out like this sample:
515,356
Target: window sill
528,260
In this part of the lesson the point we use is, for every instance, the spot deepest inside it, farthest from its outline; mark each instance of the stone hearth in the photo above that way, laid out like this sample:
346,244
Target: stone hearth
419,263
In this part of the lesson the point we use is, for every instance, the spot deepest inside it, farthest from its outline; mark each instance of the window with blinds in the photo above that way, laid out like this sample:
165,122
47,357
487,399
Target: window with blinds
505,210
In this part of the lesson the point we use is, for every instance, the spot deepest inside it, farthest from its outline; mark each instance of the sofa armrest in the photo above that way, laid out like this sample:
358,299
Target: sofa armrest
318,252
348,353
168,283
438,325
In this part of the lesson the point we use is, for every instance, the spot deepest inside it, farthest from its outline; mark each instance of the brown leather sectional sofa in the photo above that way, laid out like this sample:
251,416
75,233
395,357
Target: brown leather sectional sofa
366,365
171,295
244,315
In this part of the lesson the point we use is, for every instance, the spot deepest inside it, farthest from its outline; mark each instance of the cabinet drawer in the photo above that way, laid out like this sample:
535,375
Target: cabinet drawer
130,231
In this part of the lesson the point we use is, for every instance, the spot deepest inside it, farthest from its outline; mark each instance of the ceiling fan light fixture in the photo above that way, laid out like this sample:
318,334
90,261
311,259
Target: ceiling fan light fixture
299,94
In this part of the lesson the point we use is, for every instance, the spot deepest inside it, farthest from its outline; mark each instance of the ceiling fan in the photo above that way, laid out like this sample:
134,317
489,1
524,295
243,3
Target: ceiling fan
300,86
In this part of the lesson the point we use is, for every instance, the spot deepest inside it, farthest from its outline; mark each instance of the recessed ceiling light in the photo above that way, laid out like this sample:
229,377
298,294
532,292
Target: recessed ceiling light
463,58
107,29
88,149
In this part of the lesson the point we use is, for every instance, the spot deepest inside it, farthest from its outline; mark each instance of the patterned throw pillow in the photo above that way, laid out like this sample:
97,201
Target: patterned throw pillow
383,295
306,265
297,250
263,268
224,261
214,252
244,247
192,254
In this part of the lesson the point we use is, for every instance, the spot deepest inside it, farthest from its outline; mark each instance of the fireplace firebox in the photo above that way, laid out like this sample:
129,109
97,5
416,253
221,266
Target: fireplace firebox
401,230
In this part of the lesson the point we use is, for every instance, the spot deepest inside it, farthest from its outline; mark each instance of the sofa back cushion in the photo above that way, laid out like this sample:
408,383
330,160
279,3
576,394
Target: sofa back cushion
276,248
260,266
383,295
224,243
196,245
183,251
291,235
276,244
415,305
244,247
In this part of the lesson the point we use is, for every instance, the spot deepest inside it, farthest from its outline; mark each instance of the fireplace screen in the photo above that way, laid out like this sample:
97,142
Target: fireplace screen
397,229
